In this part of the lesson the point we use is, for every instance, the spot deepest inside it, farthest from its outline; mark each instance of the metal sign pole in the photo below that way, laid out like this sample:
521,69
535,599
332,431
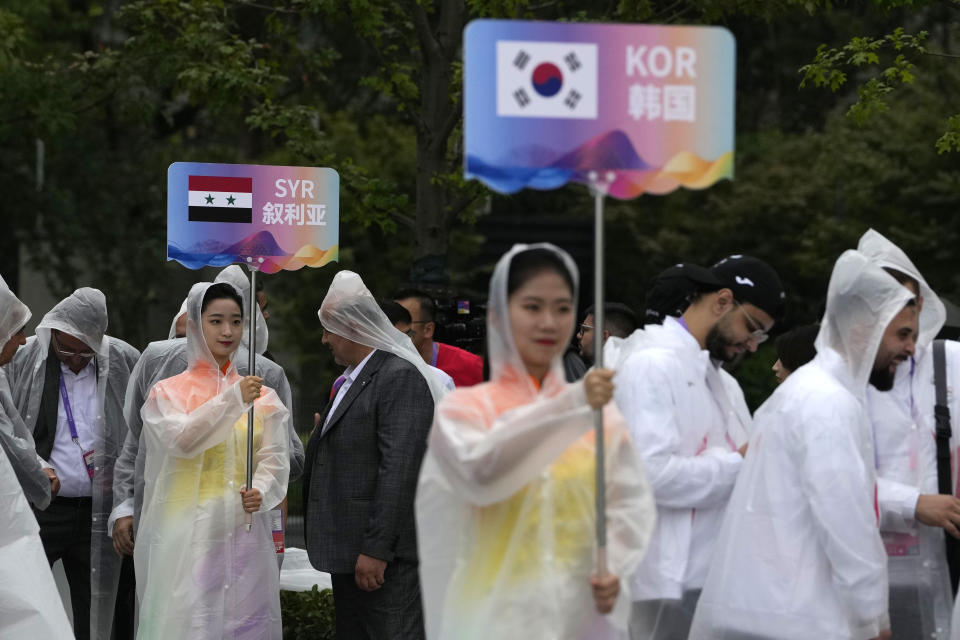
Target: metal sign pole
598,324
251,371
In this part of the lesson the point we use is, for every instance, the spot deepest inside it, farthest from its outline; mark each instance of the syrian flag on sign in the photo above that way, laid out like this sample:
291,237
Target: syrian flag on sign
547,79
216,199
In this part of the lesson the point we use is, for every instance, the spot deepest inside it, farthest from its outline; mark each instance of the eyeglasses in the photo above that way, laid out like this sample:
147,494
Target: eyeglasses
410,333
71,354
757,332
584,327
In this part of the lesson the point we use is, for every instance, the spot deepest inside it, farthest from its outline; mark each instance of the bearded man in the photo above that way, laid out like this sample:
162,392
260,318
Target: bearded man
682,414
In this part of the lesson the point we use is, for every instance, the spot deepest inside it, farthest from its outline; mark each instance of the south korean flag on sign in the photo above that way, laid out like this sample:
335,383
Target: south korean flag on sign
547,79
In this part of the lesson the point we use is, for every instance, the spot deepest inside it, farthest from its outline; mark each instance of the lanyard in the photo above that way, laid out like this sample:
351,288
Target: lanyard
87,456
69,412
436,351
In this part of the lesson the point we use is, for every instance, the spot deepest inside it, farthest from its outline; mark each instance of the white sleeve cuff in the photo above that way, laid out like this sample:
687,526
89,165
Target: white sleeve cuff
43,463
908,509
122,510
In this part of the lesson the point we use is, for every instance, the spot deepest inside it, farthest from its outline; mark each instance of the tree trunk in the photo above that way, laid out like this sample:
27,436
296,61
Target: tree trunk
439,113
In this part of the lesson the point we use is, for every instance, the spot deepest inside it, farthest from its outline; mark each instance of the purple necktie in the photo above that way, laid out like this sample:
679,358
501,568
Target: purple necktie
336,385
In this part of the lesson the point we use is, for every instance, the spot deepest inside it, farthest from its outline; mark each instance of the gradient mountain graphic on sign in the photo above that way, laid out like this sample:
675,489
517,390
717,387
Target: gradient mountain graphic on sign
609,152
612,150
260,245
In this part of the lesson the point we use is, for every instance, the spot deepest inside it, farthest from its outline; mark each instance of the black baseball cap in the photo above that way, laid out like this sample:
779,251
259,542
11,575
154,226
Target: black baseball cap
752,280
670,291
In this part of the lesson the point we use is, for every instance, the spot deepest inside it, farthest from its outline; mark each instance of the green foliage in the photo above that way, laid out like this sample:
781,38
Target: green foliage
893,54
308,615
12,36
950,140
755,376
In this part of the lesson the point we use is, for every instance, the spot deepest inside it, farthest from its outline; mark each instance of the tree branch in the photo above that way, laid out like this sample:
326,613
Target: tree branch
662,14
940,55
32,116
404,219
450,27
451,122
424,34
248,3
456,207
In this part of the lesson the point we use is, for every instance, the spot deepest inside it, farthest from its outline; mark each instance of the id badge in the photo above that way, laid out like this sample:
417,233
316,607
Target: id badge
88,461
900,545
275,518
276,526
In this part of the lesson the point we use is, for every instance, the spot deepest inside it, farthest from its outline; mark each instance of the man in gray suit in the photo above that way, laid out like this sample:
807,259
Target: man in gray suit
361,470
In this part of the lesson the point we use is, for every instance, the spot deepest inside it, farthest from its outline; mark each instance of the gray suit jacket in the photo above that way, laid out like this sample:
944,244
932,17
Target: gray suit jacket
360,476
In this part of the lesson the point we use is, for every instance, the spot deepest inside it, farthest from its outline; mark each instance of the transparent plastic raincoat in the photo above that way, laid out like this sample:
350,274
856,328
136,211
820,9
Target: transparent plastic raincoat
29,604
83,315
505,503
350,310
165,359
200,574
903,428
687,430
739,422
955,622
15,437
799,552
172,334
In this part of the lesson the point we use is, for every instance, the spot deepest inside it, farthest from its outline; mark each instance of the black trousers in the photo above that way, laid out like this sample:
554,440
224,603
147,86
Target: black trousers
663,619
392,612
123,615
65,533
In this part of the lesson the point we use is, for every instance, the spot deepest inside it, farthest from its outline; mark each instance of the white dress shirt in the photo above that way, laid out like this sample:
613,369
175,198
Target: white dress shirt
350,374
66,457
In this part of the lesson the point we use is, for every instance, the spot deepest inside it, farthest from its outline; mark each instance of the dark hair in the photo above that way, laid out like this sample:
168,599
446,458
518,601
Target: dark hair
395,311
795,347
221,290
532,262
618,318
905,279
902,278
428,309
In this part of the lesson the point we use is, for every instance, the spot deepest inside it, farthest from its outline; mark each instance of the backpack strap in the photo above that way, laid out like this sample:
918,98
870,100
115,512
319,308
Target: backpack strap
941,413
944,431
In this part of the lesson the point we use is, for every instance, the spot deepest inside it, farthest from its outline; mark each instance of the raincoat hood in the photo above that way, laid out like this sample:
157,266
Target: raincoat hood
82,314
502,352
13,313
172,334
933,315
199,355
350,311
17,441
862,299
234,275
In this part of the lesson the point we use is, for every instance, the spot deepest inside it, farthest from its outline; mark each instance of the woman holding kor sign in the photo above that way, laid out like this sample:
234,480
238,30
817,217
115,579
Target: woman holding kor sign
505,504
